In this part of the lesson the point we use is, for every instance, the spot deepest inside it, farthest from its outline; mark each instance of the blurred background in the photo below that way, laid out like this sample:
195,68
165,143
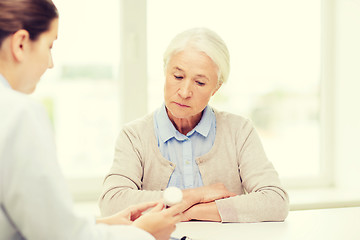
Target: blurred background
294,73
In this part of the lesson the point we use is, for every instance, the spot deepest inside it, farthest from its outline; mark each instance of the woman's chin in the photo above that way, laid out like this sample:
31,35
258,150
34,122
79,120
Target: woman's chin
178,113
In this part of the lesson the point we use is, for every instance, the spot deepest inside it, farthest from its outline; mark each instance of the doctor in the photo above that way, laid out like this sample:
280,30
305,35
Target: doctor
34,202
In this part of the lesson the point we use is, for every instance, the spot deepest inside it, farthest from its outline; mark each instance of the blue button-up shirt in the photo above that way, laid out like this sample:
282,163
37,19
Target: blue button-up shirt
183,150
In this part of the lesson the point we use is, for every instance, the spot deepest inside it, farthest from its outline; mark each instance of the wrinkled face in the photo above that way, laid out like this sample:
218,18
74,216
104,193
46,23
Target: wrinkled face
39,58
191,80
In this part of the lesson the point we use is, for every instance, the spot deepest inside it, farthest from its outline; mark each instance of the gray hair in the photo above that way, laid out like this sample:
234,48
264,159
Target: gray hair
203,40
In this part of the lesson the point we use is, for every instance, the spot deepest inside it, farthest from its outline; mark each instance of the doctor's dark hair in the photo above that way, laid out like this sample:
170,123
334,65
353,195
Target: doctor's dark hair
33,16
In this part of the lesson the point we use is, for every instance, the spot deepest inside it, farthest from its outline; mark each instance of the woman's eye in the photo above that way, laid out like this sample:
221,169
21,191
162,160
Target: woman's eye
178,77
200,83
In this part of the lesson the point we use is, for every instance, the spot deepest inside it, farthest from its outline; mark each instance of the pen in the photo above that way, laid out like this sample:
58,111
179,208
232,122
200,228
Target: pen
182,238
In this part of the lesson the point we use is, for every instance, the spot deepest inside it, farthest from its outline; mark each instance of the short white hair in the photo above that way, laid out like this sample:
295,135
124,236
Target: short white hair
203,40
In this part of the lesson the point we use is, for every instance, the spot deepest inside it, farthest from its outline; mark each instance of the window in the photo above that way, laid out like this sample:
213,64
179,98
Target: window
275,51
82,91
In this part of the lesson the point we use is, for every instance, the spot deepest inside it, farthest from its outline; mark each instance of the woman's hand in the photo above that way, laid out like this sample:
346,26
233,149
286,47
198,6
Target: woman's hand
207,193
202,211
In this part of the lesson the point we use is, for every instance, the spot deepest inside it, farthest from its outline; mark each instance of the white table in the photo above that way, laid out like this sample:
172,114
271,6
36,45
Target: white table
327,224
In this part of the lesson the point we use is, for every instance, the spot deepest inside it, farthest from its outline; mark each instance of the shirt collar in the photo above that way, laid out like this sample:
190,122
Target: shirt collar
207,119
168,131
4,82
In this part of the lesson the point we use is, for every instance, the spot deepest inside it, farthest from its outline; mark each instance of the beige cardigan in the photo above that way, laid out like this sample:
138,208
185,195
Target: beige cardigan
139,172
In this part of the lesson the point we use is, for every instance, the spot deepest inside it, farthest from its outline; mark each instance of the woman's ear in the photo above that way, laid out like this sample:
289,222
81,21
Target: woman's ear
217,88
19,44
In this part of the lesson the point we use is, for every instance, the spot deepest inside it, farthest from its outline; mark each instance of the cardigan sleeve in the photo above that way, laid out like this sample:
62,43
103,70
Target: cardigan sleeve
123,185
265,199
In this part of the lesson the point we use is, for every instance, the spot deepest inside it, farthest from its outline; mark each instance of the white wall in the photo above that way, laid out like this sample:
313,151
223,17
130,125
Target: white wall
342,75
347,93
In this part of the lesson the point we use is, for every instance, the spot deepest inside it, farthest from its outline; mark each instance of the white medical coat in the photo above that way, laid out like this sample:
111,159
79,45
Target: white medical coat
34,200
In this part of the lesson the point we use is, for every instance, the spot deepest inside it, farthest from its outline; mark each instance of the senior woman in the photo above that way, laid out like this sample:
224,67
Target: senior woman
215,157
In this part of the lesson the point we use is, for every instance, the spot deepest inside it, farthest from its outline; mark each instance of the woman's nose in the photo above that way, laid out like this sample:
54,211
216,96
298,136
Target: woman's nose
185,90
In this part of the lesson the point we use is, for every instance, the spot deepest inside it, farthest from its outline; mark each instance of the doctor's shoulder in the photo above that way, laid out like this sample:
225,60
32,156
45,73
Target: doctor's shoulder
16,107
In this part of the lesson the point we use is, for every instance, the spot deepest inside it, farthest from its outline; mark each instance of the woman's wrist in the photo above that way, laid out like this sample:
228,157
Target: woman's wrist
205,211
192,196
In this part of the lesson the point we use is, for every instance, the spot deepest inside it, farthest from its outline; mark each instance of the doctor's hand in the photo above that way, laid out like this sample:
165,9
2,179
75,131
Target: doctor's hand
158,221
128,215
161,222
